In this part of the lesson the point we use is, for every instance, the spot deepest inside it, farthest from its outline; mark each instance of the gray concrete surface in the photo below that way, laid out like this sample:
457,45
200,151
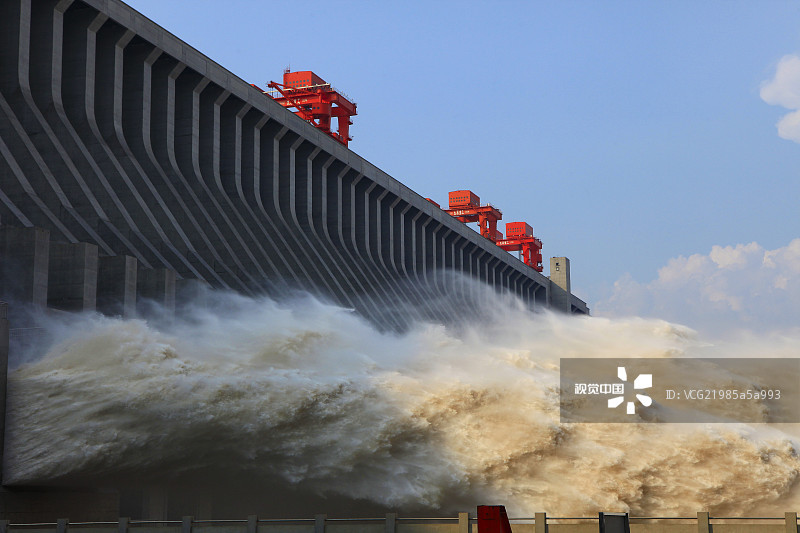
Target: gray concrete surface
72,277
156,285
561,297
4,338
24,262
116,285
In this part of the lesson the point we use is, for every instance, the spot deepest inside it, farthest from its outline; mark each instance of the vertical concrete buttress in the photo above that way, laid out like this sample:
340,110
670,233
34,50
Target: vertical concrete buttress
4,346
117,135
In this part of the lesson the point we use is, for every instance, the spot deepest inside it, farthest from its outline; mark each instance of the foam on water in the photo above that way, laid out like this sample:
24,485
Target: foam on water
314,396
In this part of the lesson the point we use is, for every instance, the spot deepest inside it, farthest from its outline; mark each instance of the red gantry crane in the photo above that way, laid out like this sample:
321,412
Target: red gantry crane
315,101
466,207
519,238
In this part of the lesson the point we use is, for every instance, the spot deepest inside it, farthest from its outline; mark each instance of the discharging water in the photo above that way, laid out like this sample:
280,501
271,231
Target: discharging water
311,395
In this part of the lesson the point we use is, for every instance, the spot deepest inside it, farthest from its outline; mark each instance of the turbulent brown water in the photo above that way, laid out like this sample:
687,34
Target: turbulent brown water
311,395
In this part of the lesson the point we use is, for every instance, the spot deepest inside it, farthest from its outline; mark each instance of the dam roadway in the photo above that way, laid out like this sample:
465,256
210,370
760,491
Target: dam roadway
118,137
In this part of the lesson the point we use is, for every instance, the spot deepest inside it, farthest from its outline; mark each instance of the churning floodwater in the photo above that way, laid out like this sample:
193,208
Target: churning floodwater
312,396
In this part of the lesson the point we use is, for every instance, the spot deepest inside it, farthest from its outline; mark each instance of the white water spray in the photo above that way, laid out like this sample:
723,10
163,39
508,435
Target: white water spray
313,396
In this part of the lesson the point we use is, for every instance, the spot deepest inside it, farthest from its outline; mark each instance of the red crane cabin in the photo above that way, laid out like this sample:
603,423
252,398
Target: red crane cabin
315,101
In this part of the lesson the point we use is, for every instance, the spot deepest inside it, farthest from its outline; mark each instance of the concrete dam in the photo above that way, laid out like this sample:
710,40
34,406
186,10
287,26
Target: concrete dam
135,172
134,169
132,164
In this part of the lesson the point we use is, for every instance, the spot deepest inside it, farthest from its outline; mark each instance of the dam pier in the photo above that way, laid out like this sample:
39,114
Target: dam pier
121,139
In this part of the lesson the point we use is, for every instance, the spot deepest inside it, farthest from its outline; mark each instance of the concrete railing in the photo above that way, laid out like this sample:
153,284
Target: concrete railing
391,523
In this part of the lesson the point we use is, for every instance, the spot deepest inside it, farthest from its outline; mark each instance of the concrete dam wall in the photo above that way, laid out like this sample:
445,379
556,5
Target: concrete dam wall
163,167
133,168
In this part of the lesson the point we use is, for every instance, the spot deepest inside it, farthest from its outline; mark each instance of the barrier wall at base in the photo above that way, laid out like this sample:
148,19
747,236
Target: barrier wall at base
702,523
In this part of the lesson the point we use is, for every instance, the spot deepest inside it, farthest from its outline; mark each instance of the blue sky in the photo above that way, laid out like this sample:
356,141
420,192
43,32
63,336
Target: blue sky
627,133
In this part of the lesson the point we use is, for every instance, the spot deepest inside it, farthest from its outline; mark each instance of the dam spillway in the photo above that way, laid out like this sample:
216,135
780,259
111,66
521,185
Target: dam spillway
117,136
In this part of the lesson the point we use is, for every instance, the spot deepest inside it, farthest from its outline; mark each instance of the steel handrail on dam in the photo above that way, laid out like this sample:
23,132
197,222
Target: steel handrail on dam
115,133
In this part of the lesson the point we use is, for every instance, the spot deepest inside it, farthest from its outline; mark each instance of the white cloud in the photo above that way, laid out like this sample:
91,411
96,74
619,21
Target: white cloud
789,127
784,90
742,286
728,257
